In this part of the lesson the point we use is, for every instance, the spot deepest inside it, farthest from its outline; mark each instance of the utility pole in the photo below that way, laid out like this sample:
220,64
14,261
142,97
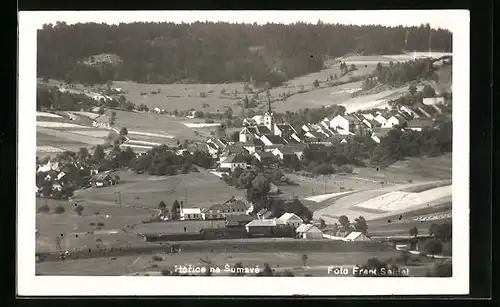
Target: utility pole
185,195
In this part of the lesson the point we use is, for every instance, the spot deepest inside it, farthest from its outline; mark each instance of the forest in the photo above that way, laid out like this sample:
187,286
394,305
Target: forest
207,52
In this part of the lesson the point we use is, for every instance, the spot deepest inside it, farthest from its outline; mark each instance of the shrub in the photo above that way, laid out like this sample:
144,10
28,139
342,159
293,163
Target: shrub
79,210
100,224
433,247
157,258
59,209
346,169
43,209
92,224
154,265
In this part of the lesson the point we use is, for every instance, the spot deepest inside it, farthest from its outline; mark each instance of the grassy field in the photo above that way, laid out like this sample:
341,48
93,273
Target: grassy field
195,189
181,96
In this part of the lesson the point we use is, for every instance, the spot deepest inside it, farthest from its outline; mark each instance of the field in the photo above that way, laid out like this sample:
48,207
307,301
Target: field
195,189
376,203
181,96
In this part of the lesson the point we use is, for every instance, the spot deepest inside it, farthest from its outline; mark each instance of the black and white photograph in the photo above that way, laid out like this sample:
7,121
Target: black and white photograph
324,147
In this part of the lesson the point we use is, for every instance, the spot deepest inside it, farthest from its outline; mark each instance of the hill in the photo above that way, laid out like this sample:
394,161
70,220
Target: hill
205,52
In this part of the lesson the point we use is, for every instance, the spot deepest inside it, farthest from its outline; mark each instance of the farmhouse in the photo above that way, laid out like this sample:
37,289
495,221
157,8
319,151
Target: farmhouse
190,214
221,211
309,231
233,161
264,214
357,237
238,220
289,219
394,120
218,143
261,227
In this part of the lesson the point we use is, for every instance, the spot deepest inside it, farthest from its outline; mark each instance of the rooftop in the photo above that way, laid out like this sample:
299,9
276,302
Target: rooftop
239,218
275,139
234,158
257,223
307,227
264,154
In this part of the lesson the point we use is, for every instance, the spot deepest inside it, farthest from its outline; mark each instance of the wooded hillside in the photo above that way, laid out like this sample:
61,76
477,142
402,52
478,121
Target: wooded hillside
206,52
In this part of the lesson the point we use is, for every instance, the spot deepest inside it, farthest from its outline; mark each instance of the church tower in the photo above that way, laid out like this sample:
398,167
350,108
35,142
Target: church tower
268,117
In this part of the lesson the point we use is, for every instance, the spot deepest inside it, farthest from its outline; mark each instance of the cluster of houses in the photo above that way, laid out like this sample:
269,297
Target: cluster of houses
237,213
266,140
55,174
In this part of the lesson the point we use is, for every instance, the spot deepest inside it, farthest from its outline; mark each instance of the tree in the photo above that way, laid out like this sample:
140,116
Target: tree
304,259
360,225
162,206
335,229
98,153
79,210
322,223
245,102
59,209
353,67
175,210
83,153
413,231
433,247
123,131
412,89
316,83
428,92
112,118
344,223
267,271
433,229
443,232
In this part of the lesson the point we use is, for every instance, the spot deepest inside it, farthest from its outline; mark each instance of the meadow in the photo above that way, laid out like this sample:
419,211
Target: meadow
195,189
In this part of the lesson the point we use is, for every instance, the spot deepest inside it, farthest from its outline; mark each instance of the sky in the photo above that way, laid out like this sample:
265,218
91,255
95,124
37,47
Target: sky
445,19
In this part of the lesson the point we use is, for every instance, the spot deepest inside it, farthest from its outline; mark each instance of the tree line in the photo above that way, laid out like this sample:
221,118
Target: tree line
219,52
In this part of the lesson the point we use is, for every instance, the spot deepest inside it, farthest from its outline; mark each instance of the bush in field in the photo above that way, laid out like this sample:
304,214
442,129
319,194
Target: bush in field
433,247
79,210
100,224
59,209
346,169
157,258
43,209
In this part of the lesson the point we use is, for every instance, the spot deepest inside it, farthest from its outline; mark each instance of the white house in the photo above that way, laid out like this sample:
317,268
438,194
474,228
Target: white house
381,119
246,135
190,214
357,237
368,116
309,231
258,119
339,123
157,110
433,101
263,156
233,161
289,219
